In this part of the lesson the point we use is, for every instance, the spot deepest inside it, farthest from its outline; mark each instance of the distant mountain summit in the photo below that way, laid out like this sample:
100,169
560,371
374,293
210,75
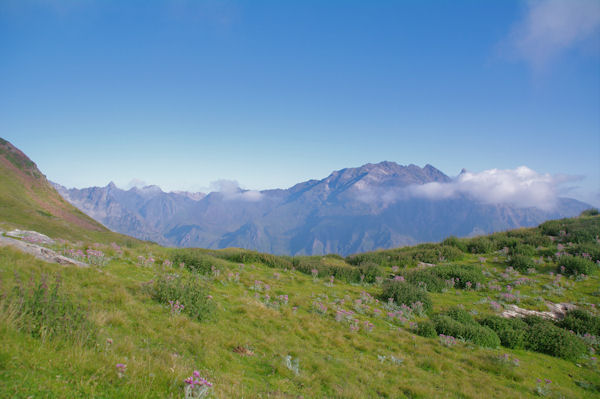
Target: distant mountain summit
351,210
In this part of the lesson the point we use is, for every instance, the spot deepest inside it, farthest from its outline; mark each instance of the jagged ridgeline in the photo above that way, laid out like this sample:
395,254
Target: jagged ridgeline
512,314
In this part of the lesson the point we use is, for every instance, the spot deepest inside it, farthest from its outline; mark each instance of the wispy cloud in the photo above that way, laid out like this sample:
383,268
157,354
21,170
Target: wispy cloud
230,190
551,27
135,182
521,187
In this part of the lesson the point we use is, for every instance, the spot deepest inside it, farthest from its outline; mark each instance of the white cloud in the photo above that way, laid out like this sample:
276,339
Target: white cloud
230,190
135,182
522,187
550,27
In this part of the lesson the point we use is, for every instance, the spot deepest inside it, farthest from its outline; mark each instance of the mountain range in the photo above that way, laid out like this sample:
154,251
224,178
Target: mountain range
351,210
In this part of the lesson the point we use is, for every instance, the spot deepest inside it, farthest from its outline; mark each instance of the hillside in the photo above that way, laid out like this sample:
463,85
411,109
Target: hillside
139,320
351,210
142,319
29,201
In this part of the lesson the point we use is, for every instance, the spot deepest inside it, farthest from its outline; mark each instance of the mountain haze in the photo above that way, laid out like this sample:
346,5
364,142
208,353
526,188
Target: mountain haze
351,210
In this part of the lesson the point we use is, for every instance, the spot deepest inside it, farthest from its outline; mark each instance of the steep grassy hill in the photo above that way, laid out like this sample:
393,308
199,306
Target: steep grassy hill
29,201
257,325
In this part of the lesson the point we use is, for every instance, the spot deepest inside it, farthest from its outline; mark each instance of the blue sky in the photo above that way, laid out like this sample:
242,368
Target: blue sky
270,93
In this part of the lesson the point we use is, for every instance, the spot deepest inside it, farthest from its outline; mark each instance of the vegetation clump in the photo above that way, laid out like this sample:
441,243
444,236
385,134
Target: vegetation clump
521,263
169,288
406,293
569,265
474,333
510,331
544,337
44,311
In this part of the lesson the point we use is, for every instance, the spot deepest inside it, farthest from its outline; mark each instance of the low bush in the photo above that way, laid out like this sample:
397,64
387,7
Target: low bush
406,293
474,333
480,245
460,315
589,250
188,291
425,278
455,242
575,265
581,322
521,262
522,249
193,260
544,337
426,329
464,274
510,331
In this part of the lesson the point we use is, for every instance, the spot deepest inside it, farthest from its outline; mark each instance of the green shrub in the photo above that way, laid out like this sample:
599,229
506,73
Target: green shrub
474,333
575,265
45,312
592,250
406,293
426,329
464,274
480,245
510,331
187,290
425,278
545,337
247,256
590,212
455,242
521,262
370,270
581,322
193,260
460,315
522,249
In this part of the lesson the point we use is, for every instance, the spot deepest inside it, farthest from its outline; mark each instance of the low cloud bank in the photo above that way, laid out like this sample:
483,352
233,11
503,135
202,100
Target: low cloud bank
521,187
230,190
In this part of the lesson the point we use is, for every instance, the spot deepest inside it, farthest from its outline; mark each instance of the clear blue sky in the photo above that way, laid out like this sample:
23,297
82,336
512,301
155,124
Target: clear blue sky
271,93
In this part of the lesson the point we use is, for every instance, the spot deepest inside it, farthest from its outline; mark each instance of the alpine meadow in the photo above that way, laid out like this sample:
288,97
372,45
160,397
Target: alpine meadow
215,199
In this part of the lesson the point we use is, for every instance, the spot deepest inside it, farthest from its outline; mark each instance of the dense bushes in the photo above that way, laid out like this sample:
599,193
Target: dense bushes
247,256
480,245
575,265
474,333
406,293
543,336
193,260
409,256
581,322
510,331
460,315
455,242
188,291
434,279
426,329
578,230
366,271
425,278
590,250
464,274
521,262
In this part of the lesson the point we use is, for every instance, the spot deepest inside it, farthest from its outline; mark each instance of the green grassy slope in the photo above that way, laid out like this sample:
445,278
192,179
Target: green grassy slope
246,330
28,201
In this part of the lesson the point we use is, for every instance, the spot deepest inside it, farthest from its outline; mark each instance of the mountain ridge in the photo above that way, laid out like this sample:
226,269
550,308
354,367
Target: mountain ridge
350,210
